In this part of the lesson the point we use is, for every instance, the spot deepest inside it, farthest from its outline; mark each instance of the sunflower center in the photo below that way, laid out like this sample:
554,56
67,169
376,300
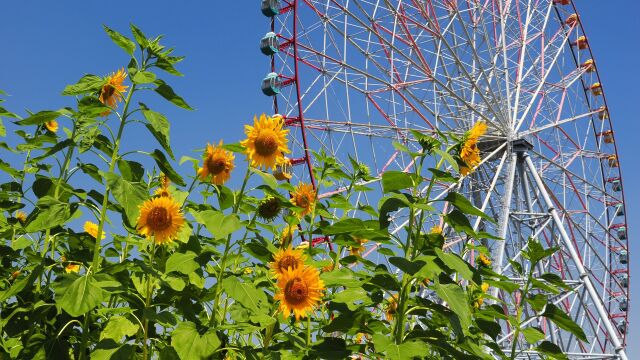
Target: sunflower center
266,143
288,262
216,165
303,202
159,219
296,291
108,90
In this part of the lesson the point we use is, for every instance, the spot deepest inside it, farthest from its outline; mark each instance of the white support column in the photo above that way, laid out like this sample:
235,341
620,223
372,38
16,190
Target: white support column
498,256
584,276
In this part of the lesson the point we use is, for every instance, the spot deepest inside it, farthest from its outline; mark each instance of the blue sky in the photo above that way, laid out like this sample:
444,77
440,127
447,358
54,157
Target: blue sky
48,44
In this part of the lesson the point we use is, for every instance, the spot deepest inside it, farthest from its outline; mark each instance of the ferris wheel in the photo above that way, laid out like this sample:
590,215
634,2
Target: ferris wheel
351,77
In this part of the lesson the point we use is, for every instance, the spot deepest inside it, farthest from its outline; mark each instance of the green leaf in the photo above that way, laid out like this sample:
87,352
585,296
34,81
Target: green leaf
268,179
39,118
456,298
87,84
182,263
143,77
340,277
533,334
167,92
408,350
128,194
51,216
166,168
117,328
123,352
396,180
448,158
560,318
121,40
443,176
82,295
454,262
245,293
190,345
141,39
459,222
465,206
551,350
389,204
352,297
218,224
407,266
159,127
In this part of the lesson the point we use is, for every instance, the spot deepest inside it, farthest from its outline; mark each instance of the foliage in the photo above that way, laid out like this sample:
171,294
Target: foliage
205,281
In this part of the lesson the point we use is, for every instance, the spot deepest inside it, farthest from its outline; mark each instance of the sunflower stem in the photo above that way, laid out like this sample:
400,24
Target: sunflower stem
308,331
223,261
147,304
95,264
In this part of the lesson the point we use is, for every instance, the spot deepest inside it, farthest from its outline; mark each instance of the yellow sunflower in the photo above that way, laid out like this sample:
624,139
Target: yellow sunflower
92,229
112,91
163,190
72,268
299,291
304,196
391,307
469,153
161,218
21,216
51,126
484,287
484,260
218,163
283,171
287,235
357,250
436,229
287,259
266,142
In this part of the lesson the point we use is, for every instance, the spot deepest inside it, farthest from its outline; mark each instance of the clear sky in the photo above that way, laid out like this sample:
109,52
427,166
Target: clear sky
45,45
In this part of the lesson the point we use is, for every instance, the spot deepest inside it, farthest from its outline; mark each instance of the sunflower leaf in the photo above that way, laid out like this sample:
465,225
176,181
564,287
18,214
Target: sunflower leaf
87,84
81,296
159,127
39,118
167,92
128,194
190,345
121,40
166,168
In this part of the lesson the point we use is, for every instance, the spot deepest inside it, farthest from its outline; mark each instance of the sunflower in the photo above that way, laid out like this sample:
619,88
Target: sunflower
72,268
51,126
218,163
92,229
21,216
283,171
484,260
287,234
163,190
436,229
269,208
299,291
15,274
266,142
391,307
484,287
287,259
357,250
161,218
469,153
304,196
112,91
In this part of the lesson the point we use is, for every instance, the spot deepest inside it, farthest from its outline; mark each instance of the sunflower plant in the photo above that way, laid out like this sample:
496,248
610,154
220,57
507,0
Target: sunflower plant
108,253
